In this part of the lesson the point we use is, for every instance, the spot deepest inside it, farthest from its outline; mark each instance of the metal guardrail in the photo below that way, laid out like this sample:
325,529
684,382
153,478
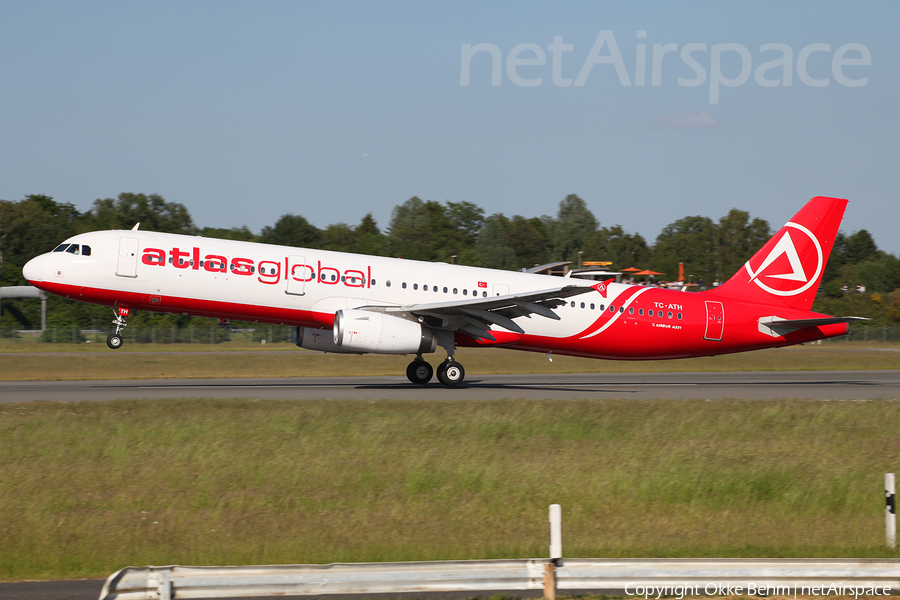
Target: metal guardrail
633,576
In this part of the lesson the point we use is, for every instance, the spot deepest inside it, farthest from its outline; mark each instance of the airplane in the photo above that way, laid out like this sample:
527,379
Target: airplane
352,303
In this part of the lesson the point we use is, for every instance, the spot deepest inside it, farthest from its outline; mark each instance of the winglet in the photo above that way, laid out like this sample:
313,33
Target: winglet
601,287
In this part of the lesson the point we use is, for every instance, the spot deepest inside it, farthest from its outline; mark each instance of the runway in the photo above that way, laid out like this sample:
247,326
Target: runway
812,385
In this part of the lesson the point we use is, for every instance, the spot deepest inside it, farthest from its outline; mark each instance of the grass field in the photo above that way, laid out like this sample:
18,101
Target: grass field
88,488
288,361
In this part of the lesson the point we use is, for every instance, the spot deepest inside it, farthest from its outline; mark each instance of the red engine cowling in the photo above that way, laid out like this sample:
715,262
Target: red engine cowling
367,331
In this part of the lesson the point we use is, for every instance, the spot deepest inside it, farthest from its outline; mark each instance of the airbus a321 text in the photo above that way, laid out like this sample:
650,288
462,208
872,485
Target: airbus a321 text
351,303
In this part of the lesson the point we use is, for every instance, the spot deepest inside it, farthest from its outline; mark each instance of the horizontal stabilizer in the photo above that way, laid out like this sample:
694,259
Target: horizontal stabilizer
802,323
776,326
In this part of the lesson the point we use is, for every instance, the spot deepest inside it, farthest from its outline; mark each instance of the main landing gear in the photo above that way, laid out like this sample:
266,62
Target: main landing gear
419,371
450,373
114,341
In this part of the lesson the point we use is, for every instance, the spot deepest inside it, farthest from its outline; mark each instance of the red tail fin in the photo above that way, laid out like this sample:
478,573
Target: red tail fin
788,268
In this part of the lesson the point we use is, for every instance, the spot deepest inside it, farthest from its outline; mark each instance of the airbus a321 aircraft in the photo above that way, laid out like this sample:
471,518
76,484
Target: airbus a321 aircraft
351,303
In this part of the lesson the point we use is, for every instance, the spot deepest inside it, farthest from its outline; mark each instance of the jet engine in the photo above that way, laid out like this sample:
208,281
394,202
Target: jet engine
318,339
368,331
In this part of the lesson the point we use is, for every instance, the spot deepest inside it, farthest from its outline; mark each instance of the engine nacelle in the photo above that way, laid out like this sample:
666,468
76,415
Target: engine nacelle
368,331
318,339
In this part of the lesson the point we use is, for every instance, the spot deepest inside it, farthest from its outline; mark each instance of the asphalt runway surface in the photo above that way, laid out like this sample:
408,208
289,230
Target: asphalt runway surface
755,385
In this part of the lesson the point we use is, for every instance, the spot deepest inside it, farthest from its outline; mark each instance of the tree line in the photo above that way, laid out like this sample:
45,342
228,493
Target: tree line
457,232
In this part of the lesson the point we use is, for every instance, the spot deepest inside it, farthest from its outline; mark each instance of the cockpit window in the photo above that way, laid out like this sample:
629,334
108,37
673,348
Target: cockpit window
72,249
61,247
85,250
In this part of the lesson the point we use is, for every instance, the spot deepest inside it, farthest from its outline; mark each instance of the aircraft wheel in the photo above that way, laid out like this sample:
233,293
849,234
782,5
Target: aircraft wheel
419,372
451,373
114,341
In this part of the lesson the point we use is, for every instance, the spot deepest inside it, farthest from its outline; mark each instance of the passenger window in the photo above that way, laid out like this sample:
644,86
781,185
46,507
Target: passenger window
582,305
445,290
61,248
670,314
415,286
592,306
679,316
573,304
631,311
425,288
612,308
641,311
484,294
73,249
602,307
434,287
404,285
650,312
387,284
465,292
621,309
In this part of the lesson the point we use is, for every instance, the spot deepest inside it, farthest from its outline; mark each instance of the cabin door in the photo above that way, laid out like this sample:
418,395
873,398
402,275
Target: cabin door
715,321
127,265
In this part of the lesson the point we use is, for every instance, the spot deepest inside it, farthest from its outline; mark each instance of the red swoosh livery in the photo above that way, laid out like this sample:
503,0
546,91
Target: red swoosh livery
350,303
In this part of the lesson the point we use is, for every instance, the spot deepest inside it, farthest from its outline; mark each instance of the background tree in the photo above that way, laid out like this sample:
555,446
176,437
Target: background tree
292,230
492,244
613,244
369,239
529,240
241,234
30,227
737,239
427,230
152,212
690,240
339,237
574,225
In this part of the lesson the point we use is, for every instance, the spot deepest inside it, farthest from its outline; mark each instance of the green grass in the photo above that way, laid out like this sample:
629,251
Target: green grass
299,363
86,488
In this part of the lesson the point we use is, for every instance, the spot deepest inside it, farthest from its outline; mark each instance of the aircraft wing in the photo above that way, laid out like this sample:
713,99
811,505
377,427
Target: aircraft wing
476,315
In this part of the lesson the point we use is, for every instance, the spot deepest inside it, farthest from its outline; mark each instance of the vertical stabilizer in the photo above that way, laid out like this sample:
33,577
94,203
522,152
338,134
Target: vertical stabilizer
788,269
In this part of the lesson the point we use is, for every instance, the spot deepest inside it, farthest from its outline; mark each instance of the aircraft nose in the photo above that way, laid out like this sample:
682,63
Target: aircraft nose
34,269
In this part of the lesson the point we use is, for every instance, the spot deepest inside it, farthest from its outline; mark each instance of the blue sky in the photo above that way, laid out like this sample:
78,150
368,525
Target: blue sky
244,111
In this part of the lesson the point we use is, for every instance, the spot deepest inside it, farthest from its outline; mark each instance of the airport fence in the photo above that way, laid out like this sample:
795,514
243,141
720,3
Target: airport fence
270,334
216,335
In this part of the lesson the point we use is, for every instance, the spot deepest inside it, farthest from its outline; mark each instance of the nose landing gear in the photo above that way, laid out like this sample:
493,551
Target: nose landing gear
115,341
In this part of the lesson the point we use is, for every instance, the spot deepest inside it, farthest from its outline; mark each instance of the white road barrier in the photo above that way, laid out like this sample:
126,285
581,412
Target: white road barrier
638,577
